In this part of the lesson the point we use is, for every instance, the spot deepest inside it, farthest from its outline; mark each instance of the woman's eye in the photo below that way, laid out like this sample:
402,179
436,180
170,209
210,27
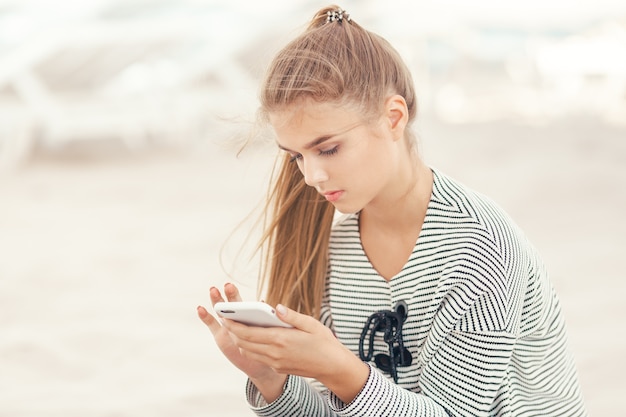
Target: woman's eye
330,151
295,157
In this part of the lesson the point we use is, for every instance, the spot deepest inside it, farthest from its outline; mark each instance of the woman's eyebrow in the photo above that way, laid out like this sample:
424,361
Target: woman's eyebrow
318,141
322,139
311,144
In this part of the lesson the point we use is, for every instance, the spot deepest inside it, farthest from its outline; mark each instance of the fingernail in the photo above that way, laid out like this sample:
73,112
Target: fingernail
282,310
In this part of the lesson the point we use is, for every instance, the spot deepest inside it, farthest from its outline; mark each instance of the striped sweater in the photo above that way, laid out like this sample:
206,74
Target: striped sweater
484,325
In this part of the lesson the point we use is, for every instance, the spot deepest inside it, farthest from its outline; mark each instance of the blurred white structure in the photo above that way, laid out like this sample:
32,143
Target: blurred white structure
153,71
138,80
532,77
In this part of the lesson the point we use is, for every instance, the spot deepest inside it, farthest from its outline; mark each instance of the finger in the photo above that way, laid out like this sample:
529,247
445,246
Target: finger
209,320
258,343
297,320
232,293
215,295
252,334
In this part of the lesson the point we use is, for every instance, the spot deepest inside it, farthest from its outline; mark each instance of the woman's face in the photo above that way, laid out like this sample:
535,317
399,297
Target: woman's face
349,160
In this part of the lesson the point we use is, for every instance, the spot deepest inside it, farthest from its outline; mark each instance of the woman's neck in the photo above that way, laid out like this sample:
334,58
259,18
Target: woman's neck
403,208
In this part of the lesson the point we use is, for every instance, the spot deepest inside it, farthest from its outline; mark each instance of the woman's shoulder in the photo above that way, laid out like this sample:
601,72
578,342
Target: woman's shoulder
466,212
345,228
462,199
344,219
345,222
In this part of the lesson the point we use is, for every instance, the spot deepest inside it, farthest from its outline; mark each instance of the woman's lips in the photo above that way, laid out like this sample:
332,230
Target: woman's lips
333,196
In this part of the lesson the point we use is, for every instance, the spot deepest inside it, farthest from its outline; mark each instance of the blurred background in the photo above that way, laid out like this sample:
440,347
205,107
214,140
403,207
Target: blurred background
123,196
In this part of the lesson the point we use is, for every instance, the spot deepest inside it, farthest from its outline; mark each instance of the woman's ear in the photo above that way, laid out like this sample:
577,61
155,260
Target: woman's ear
397,114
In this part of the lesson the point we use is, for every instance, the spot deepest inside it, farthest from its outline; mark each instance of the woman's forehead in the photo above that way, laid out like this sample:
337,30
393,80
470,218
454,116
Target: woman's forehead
308,125
314,113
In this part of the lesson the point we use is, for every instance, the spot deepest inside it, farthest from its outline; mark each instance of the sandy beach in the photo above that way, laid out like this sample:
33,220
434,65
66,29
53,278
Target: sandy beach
105,253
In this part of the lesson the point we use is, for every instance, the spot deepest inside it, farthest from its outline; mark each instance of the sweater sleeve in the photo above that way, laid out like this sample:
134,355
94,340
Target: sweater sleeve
381,397
299,399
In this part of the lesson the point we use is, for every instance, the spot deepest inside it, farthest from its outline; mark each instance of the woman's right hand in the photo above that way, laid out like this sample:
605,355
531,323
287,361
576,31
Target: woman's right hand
268,381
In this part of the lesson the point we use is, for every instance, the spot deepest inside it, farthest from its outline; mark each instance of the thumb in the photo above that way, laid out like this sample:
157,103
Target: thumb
297,320
208,319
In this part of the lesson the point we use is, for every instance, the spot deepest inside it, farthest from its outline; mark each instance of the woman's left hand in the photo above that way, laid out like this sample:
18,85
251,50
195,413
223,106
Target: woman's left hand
310,349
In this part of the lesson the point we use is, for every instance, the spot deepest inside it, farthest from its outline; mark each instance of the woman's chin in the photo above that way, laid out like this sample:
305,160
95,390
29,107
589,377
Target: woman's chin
346,209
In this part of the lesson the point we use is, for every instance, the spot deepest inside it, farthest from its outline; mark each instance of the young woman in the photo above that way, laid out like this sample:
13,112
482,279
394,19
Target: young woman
424,299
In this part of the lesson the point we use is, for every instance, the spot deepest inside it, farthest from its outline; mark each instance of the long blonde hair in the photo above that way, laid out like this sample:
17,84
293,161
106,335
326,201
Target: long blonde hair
336,61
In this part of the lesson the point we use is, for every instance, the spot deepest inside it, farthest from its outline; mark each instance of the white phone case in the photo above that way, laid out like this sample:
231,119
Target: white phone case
252,313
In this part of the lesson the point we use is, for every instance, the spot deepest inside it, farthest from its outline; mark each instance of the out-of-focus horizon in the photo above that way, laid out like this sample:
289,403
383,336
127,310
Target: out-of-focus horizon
82,70
119,183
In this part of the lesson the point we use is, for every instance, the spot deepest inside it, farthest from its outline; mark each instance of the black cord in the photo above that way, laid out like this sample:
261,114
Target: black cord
390,323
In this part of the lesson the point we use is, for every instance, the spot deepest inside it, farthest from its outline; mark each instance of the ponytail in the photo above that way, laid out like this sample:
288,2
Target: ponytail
334,60
296,238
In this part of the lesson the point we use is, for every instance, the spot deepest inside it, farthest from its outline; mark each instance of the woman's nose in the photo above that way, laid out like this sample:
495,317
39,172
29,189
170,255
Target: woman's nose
314,173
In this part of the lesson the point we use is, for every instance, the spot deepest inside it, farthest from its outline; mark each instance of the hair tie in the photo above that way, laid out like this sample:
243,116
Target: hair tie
337,15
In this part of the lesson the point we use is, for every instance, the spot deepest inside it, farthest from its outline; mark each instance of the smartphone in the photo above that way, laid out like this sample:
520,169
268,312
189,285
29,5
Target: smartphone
252,313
